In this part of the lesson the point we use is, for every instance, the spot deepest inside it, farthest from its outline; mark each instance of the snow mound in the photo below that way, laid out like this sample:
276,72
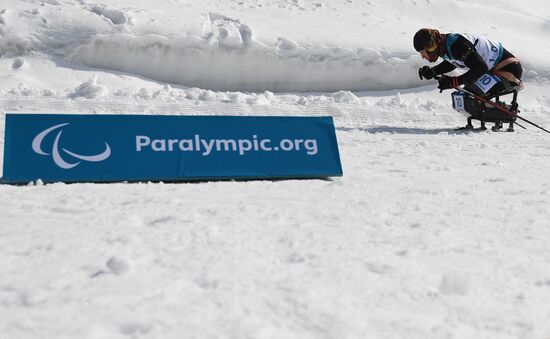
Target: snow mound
89,89
345,97
115,16
234,62
227,57
227,32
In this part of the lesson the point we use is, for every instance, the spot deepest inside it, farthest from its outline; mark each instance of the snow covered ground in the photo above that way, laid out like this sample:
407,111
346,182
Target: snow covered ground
430,233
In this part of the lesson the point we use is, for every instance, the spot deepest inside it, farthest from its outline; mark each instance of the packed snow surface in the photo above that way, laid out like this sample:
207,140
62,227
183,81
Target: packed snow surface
430,233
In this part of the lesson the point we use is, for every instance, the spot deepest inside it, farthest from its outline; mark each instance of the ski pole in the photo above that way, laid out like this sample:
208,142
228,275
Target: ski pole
497,106
516,123
529,122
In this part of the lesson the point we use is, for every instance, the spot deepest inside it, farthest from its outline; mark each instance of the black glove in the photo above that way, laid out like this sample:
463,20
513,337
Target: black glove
446,82
426,72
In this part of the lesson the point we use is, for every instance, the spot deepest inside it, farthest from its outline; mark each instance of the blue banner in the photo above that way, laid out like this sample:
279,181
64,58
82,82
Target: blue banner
107,148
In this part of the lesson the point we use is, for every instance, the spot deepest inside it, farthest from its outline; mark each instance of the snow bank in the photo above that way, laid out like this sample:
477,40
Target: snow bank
227,57
89,89
282,47
236,64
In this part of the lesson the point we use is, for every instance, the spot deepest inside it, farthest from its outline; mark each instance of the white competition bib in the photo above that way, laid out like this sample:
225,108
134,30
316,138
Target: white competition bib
458,103
490,51
458,99
486,82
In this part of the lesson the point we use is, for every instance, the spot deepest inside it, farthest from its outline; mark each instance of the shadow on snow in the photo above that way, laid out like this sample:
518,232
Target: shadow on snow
404,130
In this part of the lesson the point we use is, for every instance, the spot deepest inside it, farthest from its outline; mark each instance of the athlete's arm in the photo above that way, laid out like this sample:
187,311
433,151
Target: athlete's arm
465,51
443,67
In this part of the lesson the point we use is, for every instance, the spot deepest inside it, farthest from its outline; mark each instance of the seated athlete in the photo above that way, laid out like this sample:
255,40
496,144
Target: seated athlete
491,69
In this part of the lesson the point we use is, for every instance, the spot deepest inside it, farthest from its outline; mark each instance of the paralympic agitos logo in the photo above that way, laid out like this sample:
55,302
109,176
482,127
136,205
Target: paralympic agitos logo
69,159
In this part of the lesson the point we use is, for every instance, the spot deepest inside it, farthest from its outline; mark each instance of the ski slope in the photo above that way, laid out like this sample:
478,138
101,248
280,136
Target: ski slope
430,233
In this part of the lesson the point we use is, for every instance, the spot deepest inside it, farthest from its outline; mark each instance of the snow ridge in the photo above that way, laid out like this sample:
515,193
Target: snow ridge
232,63
227,57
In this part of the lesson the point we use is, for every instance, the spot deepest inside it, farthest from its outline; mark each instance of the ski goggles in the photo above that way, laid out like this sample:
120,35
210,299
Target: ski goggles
432,48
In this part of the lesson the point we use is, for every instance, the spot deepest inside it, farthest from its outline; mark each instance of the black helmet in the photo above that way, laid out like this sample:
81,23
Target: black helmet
423,39
431,42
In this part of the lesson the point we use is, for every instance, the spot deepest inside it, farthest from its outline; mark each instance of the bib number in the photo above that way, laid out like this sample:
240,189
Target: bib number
458,102
486,82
